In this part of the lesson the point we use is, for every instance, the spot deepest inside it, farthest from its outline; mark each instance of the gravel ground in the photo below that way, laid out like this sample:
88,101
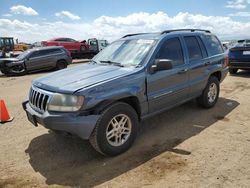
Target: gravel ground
184,147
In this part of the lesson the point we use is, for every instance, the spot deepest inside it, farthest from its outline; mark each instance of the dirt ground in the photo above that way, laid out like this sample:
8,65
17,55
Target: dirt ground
184,147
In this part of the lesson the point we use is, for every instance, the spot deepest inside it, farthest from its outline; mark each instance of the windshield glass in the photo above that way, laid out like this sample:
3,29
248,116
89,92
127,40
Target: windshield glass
125,52
23,55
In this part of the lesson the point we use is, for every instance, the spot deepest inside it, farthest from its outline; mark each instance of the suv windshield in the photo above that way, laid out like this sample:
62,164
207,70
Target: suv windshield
125,52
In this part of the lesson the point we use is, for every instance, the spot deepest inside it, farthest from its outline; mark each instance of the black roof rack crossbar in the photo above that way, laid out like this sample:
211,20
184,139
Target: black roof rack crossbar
130,35
192,30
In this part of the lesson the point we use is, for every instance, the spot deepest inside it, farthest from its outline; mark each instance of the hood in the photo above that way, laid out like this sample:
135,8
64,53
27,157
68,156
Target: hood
9,59
72,79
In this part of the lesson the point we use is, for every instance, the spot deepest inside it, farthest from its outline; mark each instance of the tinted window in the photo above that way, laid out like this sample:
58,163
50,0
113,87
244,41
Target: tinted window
35,54
203,49
172,50
193,47
213,45
55,51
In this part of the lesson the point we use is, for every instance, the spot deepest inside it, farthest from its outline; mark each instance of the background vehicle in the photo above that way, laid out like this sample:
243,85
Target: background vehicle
22,46
239,56
132,79
76,48
7,43
36,59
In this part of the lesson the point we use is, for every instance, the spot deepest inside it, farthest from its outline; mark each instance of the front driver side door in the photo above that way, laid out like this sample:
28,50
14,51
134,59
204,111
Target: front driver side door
168,87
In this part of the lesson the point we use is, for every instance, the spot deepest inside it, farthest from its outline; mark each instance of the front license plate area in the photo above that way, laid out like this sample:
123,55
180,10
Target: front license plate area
32,119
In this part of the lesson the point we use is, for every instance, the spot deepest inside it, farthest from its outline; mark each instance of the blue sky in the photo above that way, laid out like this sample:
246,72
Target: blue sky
126,16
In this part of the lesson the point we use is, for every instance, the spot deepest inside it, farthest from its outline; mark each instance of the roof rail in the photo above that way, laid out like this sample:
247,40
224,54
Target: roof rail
130,35
192,30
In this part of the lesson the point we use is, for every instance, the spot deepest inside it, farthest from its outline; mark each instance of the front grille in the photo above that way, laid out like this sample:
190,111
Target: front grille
38,99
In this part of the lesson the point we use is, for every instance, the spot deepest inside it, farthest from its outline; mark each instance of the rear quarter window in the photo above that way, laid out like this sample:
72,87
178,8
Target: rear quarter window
213,45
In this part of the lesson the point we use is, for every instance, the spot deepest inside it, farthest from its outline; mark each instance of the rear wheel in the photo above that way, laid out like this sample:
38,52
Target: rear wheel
115,130
61,65
210,94
233,71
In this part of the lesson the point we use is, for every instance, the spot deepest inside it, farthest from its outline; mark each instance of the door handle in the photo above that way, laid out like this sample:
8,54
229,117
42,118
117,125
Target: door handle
182,71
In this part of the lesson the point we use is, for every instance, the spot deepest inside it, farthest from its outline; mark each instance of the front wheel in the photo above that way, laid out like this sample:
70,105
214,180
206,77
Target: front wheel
210,94
17,70
115,130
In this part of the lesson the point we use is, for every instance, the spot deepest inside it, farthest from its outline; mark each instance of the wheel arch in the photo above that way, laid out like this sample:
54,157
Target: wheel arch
216,74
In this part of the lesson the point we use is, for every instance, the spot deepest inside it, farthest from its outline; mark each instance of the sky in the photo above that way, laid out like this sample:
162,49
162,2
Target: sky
38,20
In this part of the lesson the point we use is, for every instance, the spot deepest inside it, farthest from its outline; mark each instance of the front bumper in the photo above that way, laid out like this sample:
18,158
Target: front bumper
73,123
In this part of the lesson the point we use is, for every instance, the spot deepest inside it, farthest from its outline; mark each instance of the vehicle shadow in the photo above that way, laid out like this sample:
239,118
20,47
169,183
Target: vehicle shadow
242,73
70,161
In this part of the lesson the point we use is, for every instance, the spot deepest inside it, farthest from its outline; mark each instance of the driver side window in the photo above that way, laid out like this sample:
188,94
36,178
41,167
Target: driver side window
172,50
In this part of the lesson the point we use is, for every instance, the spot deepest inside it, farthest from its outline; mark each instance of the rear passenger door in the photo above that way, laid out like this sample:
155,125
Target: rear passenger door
168,87
198,61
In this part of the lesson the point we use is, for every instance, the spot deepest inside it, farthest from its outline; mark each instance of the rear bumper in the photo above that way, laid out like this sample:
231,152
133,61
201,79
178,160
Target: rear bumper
73,123
239,65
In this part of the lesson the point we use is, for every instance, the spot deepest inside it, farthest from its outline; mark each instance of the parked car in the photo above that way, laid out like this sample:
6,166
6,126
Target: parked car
78,48
239,56
36,59
132,79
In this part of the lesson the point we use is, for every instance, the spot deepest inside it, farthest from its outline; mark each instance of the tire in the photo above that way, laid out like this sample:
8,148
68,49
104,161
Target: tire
115,112
17,70
210,94
233,71
61,65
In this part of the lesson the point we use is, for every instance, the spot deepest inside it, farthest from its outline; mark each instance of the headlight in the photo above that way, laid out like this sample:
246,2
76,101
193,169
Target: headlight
65,103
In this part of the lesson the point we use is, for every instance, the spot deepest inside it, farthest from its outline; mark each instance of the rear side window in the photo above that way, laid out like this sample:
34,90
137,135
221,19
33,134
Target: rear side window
213,45
172,50
194,50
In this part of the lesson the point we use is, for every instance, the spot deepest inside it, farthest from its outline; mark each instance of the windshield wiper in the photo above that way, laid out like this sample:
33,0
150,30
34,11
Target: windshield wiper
113,63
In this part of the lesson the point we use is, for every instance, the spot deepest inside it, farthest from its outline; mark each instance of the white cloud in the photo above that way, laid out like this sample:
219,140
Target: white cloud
237,4
241,14
68,15
112,28
20,9
7,15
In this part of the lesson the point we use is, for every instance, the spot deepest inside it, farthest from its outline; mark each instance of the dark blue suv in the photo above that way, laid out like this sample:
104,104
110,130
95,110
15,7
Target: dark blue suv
134,78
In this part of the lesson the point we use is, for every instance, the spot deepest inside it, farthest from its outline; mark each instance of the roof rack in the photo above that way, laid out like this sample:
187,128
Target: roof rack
192,30
130,35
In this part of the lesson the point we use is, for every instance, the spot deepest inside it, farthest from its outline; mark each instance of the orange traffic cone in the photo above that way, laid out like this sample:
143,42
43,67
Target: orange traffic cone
4,114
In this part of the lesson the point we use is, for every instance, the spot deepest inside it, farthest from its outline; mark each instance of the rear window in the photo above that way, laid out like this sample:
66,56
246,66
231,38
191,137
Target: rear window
193,47
213,45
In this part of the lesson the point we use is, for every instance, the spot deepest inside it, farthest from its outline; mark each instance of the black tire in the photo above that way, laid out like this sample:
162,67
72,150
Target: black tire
204,99
233,70
98,138
17,70
61,65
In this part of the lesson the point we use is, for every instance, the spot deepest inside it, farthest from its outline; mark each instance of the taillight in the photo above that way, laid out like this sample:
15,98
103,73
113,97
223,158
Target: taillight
226,62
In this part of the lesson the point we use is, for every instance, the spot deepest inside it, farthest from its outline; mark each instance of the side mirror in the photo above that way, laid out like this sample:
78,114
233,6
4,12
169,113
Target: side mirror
161,64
